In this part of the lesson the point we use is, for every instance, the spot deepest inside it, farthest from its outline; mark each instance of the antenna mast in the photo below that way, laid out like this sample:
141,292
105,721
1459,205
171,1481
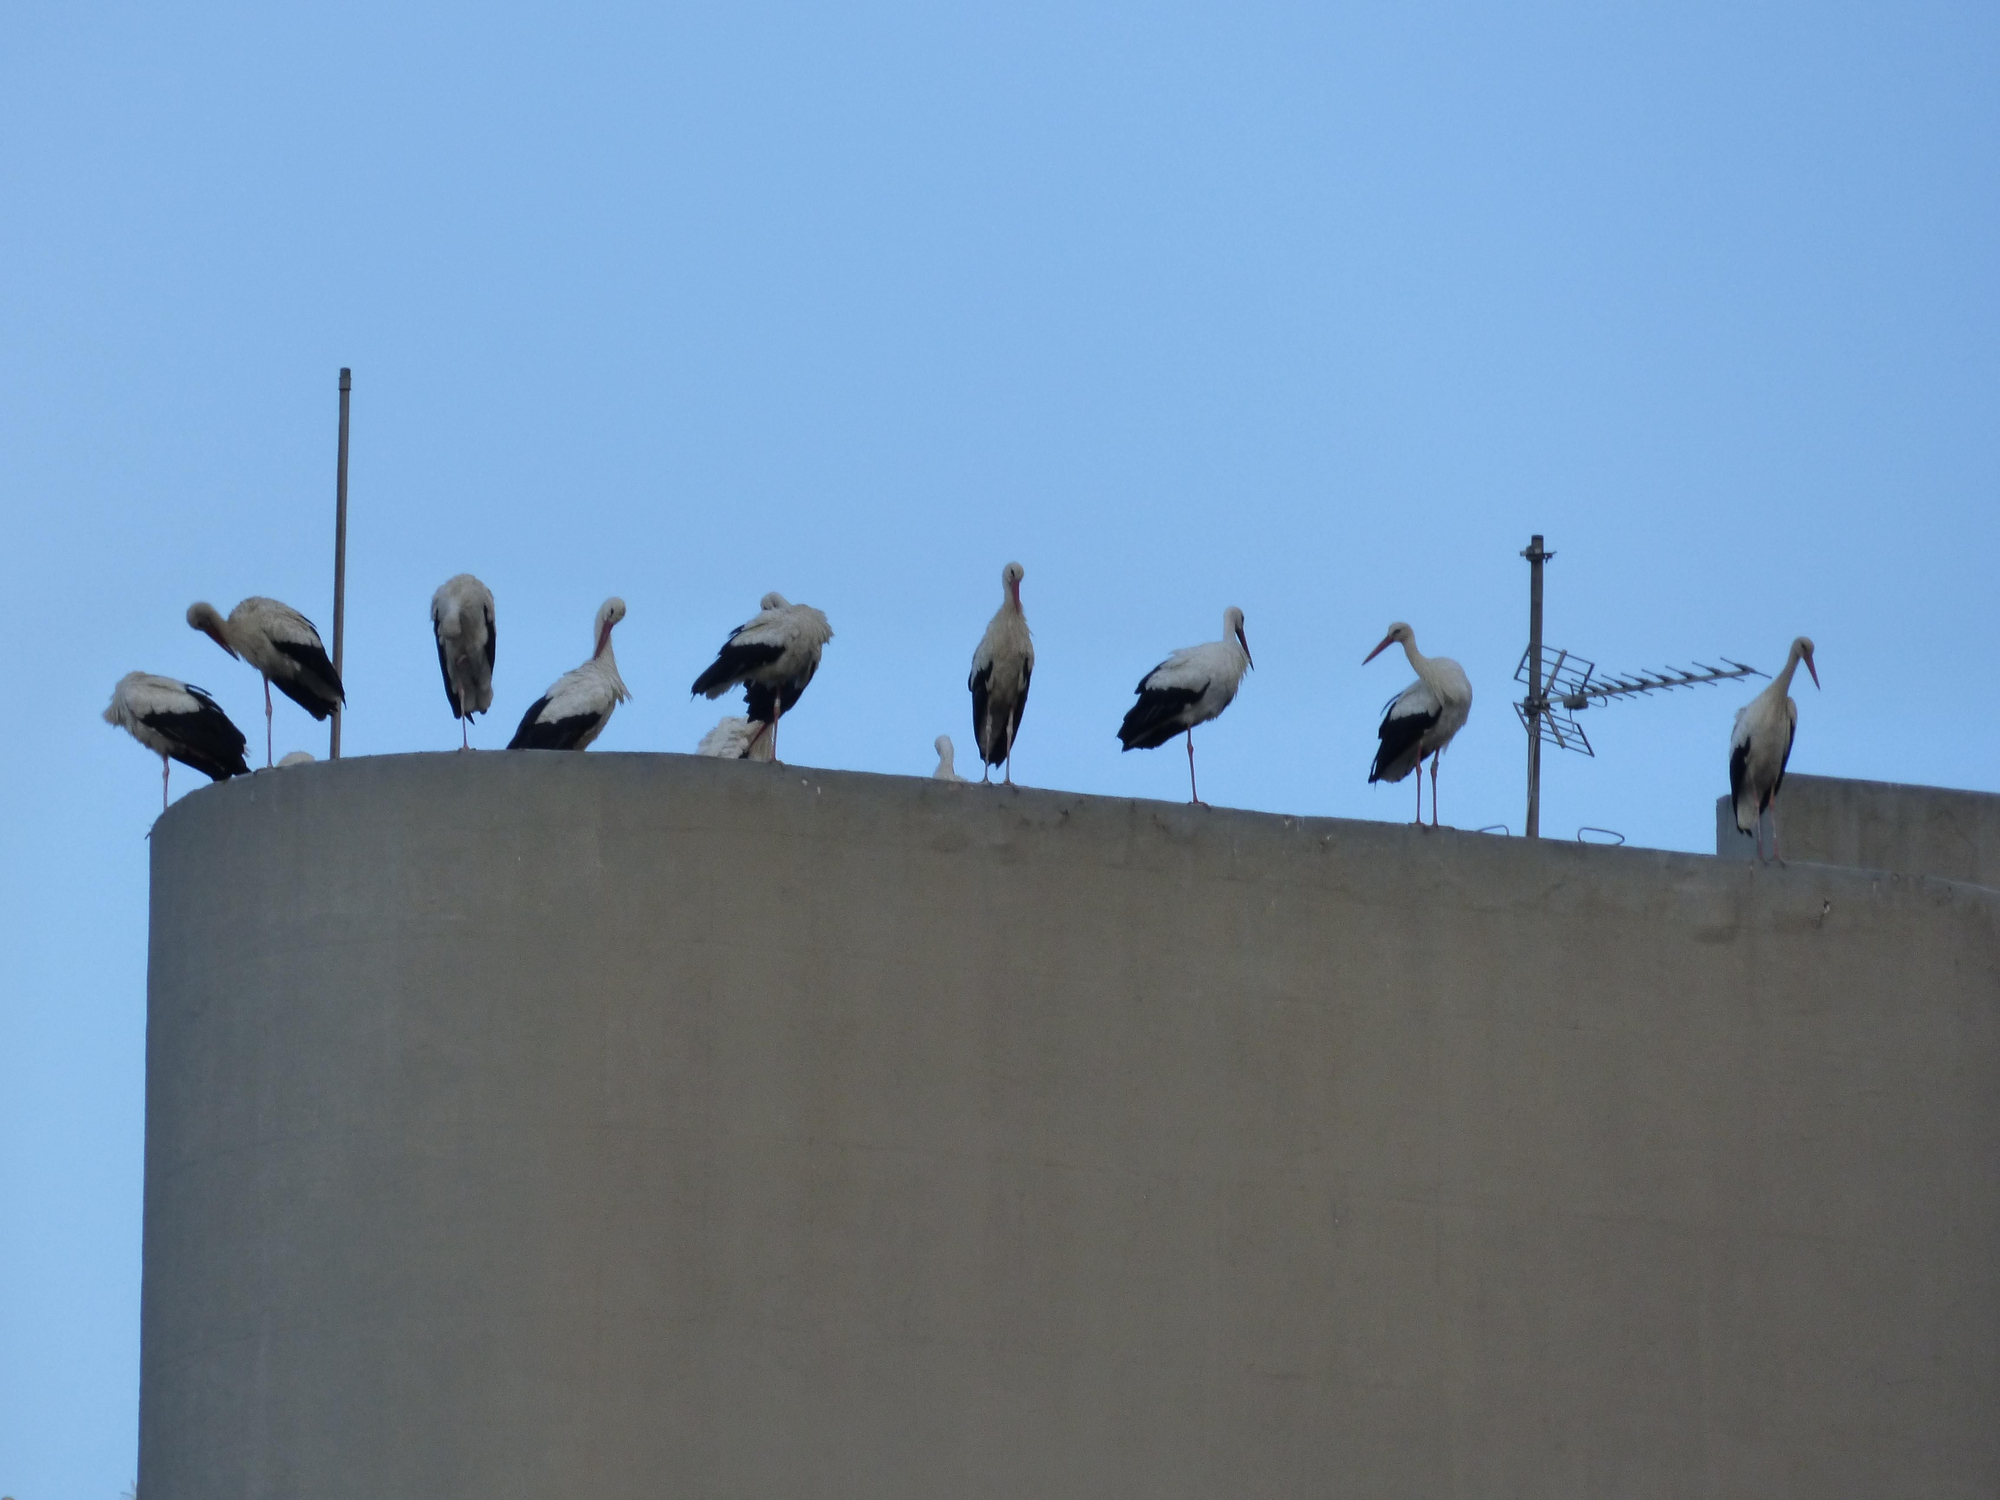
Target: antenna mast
1560,686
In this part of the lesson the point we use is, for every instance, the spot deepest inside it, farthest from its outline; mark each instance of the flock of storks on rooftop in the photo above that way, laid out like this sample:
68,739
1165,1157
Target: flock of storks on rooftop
773,657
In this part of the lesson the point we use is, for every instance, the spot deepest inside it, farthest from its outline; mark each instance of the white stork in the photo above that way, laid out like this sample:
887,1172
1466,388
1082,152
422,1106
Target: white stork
1760,746
177,722
462,621
772,656
282,644
1420,720
945,771
735,738
1190,687
1001,667
578,704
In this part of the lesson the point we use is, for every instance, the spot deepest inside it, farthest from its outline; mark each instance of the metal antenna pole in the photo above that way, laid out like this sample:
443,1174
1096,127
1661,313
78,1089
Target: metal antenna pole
340,558
1537,703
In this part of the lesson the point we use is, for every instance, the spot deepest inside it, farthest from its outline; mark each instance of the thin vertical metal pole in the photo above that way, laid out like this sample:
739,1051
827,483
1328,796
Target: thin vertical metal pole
340,559
1537,704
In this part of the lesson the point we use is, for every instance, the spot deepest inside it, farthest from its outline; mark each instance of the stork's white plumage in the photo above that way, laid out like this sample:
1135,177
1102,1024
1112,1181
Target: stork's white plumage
1190,687
945,771
462,621
735,738
578,704
282,644
1760,746
1420,720
177,721
1001,667
772,656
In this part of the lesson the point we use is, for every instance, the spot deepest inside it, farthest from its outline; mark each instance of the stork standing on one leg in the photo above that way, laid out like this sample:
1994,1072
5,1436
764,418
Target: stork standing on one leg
462,620
1421,720
578,704
177,722
1001,667
1760,746
1190,687
772,656
282,644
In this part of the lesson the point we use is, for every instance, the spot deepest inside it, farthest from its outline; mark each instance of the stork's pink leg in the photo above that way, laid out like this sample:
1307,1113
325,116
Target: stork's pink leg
1434,789
464,736
1193,795
165,766
267,723
1420,794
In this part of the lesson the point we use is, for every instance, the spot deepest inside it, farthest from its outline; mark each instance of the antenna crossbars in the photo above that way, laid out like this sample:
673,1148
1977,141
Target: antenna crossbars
1570,684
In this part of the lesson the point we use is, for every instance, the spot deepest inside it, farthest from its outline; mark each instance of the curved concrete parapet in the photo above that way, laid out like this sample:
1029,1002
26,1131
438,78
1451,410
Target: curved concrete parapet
532,1125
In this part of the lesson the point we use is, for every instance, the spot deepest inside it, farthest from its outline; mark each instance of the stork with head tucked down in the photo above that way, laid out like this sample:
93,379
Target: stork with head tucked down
1760,746
1001,667
946,770
282,644
578,704
772,656
1420,720
462,620
180,722
1190,687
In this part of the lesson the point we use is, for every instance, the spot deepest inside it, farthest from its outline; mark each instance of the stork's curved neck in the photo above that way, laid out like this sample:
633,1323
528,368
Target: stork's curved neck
1781,685
1419,663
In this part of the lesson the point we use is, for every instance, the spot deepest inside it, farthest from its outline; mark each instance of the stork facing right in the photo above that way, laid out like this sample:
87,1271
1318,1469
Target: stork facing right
1761,744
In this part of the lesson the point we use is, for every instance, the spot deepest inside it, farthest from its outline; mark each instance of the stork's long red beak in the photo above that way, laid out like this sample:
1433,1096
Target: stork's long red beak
1814,670
216,636
1245,640
1387,642
603,637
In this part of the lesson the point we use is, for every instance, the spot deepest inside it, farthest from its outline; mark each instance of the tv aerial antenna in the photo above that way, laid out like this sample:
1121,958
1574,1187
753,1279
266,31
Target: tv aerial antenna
1561,685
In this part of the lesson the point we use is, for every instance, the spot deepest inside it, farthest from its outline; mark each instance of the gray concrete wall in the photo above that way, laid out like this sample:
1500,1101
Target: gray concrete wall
1877,825
610,1125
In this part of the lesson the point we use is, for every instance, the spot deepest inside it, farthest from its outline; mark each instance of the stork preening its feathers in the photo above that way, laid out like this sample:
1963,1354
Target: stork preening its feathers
773,657
1760,746
177,721
282,644
578,704
1420,720
1001,667
1190,687
462,620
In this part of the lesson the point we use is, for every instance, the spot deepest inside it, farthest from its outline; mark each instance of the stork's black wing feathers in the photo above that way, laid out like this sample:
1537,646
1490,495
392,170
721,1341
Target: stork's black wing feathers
492,642
1158,716
317,687
537,733
732,664
1739,767
1400,734
761,700
205,739
980,684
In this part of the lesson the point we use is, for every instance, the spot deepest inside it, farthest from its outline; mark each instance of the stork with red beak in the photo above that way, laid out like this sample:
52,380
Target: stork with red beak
280,643
1190,687
1420,720
1760,746
578,704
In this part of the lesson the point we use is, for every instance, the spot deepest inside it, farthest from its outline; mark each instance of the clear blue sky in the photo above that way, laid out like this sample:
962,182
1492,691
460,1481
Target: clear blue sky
1318,310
